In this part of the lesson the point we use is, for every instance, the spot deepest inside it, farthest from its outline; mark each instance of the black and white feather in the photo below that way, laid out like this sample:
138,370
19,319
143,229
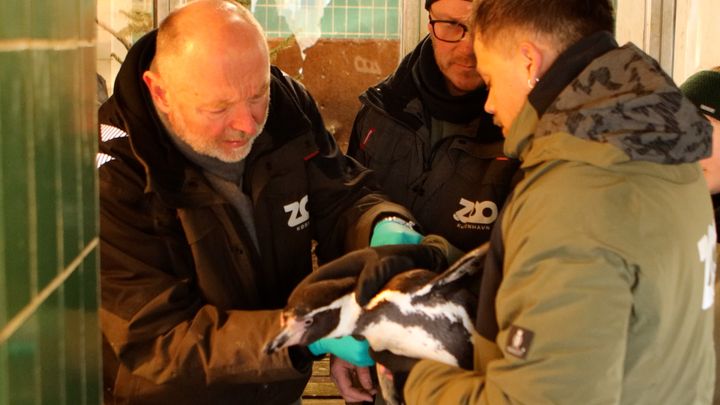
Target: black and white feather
418,314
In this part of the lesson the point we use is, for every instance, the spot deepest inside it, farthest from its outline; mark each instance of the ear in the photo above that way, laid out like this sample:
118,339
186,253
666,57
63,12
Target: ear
156,87
534,59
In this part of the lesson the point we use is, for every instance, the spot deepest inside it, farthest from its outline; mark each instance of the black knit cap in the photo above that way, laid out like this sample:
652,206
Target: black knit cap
703,89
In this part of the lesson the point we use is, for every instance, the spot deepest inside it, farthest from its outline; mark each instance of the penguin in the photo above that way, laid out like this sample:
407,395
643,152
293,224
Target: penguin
418,313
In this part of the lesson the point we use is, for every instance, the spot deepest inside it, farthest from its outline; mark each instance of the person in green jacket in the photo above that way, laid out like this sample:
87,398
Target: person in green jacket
598,287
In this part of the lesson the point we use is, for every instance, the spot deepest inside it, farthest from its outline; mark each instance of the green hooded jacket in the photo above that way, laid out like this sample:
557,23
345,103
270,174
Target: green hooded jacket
603,292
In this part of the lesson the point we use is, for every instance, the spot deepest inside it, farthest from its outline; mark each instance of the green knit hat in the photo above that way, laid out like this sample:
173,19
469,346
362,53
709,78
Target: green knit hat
703,89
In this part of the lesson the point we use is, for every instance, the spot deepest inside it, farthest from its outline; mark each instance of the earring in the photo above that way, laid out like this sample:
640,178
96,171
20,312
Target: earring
531,83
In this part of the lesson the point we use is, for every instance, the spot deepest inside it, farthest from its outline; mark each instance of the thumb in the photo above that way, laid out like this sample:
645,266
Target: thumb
376,274
349,265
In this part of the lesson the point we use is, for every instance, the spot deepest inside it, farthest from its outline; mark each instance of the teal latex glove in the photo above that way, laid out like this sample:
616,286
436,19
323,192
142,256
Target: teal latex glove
394,231
347,348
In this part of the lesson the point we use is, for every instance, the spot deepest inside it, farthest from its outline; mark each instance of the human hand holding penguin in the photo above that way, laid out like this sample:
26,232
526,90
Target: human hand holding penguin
388,231
350,359
346,347
354,383
417,314
394,231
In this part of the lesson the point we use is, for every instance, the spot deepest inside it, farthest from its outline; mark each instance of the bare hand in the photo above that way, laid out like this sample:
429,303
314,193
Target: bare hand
342,374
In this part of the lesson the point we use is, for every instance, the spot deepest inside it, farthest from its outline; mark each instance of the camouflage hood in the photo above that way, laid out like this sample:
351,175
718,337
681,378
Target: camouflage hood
621,100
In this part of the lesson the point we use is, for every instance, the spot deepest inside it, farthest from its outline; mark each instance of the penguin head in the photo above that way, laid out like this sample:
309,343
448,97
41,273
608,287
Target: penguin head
315,310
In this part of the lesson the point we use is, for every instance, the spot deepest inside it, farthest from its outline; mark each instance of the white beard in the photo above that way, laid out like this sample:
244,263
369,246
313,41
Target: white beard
209,147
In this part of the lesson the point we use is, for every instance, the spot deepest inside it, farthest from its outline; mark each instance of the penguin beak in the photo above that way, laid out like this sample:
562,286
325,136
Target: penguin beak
292,333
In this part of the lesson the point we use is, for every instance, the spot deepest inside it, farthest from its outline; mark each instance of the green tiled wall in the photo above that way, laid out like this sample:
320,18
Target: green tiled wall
49,332
377,19
365,19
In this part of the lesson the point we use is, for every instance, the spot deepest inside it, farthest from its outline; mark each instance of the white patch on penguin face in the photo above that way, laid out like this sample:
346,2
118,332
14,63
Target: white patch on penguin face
295,328
349,313
293,331
410,341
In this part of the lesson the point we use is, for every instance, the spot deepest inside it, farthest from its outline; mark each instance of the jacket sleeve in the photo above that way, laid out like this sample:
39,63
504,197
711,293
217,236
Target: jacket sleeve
153,315
573,303
355,147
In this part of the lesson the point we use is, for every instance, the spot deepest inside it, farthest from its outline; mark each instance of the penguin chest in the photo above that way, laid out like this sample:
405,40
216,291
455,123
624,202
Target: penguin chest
437,330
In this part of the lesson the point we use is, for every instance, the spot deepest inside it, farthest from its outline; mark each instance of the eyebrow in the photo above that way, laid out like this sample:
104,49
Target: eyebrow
446,18
214,105
223,102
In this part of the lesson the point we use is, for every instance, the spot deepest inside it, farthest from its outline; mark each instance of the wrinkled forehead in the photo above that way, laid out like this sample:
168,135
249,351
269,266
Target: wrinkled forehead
225,92
452,9
241,73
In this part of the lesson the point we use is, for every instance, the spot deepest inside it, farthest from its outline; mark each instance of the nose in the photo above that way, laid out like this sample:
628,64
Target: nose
466,45
463,53
489,105
243,120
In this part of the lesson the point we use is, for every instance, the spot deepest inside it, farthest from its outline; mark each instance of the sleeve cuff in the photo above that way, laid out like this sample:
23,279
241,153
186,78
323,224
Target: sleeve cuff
302,358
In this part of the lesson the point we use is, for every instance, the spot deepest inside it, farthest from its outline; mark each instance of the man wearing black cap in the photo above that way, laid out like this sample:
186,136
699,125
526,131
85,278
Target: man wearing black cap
436,151
703,89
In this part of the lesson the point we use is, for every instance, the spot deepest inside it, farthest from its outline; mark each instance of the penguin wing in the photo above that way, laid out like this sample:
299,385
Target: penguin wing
469,264
312,294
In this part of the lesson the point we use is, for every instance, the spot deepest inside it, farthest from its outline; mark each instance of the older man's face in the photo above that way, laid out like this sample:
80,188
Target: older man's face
220,106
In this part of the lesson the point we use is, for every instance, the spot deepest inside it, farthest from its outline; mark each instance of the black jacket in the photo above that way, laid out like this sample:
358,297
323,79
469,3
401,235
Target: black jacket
456,187
187,302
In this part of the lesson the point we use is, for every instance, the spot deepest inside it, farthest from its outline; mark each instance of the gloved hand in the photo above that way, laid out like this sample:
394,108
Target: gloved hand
389,261
347,348
370,269
394,231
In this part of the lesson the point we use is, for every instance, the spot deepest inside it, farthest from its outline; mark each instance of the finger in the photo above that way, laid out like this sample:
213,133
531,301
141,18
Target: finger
376,275
385,372
366,284
349,265
356,395
341,373
350,393
363,376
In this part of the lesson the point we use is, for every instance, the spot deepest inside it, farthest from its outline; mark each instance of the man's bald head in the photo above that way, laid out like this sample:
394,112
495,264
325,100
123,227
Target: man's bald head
206,30
210,78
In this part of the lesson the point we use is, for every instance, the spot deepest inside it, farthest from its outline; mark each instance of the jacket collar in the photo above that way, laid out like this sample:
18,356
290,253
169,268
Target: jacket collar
418,77
567,67
432,86
619,100
164,166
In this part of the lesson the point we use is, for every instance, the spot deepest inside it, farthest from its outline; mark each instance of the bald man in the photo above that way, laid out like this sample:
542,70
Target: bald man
216,175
